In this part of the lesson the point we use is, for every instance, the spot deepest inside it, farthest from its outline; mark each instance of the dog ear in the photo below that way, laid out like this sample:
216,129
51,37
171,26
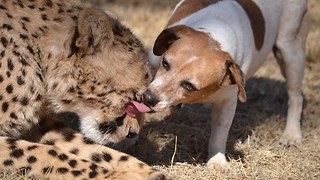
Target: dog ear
167,37
94,29
237,77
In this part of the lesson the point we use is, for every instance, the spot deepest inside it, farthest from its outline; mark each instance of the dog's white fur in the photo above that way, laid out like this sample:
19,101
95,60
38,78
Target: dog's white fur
227,23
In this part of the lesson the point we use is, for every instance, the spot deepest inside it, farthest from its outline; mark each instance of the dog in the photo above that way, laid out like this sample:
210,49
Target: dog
208,50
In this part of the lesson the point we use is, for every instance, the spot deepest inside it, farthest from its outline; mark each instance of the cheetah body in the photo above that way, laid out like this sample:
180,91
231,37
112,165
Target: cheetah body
64,65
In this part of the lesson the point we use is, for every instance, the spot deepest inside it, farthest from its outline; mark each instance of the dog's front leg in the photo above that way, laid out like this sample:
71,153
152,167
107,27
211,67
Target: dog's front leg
222,116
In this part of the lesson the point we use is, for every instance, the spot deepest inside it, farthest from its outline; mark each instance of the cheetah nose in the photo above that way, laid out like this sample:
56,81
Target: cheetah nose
149,98
131,134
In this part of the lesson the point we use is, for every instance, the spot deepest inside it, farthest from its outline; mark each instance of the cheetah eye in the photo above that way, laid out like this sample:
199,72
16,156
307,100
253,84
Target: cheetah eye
119,120
165,64
188,86
131,133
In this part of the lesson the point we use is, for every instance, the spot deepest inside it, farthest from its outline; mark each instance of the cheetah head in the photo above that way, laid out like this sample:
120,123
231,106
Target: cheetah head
98,70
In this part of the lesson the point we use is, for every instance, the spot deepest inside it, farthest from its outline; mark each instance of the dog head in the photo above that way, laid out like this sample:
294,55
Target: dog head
192,67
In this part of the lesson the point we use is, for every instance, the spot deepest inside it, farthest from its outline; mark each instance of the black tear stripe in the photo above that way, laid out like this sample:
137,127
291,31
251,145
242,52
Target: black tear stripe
69,119
73,48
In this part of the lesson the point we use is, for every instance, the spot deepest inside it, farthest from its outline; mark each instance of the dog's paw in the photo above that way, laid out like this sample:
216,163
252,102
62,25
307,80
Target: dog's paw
291,138
218,162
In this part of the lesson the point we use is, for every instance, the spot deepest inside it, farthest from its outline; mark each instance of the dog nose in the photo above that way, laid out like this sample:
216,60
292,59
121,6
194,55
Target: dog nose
149,98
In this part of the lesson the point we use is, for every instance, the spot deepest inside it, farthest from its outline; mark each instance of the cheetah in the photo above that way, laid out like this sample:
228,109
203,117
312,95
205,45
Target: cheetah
71,78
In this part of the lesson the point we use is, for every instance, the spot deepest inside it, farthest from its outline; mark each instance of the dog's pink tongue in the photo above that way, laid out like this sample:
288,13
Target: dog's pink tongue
134,108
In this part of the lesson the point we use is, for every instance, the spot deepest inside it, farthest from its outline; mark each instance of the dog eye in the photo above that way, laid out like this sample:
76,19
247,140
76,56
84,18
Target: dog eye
165,64
188,86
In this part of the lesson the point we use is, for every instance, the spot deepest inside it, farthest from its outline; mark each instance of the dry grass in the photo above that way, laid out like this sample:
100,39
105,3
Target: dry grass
253,148
253,142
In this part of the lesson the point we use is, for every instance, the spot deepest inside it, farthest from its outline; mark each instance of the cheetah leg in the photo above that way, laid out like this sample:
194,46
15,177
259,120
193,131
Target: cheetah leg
48,161
68,140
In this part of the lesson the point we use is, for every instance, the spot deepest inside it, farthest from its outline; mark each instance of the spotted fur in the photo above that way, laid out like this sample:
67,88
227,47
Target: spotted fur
63,65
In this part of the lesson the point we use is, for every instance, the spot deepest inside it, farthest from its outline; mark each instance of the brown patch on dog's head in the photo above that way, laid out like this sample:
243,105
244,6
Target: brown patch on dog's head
192,68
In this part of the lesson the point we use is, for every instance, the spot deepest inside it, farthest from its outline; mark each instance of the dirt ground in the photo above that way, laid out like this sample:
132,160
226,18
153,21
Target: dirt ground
177,143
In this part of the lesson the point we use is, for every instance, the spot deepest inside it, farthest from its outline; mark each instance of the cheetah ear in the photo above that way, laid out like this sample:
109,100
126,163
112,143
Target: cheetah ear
94,30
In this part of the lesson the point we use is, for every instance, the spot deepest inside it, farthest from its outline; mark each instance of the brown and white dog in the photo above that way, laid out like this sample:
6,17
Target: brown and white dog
210,47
